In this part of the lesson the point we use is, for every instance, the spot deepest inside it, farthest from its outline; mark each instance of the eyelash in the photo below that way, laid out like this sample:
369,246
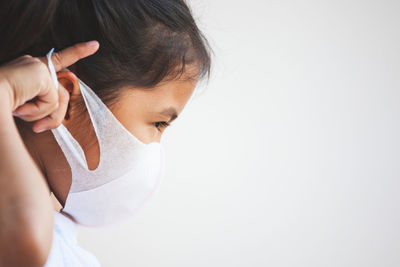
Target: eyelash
161,124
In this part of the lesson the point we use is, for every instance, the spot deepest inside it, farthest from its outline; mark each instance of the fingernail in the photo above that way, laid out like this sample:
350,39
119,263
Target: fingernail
19,114
41,130
92,43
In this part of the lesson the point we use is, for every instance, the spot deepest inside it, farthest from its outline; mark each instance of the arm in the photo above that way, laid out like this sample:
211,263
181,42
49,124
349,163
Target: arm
26,213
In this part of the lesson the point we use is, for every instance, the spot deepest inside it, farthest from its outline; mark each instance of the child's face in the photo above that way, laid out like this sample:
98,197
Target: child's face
143,112
139,111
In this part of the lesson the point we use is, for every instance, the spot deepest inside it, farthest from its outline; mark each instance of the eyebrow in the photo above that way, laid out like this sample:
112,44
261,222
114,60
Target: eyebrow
171,112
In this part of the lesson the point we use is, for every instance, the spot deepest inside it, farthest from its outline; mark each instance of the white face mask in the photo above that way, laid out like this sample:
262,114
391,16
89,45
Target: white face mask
128,175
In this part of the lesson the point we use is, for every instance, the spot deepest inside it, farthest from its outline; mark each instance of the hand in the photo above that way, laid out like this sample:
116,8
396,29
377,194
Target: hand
28,78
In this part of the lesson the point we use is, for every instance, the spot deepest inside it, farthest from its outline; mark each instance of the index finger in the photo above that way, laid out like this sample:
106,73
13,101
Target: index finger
72,54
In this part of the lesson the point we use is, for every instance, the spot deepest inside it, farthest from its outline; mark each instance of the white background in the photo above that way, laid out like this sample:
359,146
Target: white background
291,155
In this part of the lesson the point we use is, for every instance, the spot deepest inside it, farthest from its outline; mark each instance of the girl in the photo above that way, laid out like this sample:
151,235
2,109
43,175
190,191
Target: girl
105,160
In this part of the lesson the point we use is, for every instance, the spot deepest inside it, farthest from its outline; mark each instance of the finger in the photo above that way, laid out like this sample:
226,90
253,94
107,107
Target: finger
70,55
44,104
54,119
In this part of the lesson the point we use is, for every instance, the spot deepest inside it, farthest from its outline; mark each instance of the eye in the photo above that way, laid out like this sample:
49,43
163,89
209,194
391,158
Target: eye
161,124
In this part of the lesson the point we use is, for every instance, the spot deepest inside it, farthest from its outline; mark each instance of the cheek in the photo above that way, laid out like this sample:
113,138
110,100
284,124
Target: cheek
133,110
146,133
137,124
143,130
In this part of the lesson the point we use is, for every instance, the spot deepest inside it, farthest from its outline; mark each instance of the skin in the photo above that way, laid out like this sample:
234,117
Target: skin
138,110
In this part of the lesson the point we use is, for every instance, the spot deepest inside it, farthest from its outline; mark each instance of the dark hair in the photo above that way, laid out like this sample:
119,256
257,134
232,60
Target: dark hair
21,26
142,42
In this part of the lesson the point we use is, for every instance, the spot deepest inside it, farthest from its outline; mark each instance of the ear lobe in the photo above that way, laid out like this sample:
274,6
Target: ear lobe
69,81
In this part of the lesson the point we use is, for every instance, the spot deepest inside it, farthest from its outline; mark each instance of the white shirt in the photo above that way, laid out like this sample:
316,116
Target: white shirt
65,251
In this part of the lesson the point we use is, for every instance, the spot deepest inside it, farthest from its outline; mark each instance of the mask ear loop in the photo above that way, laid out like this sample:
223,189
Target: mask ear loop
51,68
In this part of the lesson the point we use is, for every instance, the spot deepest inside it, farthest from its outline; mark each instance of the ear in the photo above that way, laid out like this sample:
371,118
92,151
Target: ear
69,81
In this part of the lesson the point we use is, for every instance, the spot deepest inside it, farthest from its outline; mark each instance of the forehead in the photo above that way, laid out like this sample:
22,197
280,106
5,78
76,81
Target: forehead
168,94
